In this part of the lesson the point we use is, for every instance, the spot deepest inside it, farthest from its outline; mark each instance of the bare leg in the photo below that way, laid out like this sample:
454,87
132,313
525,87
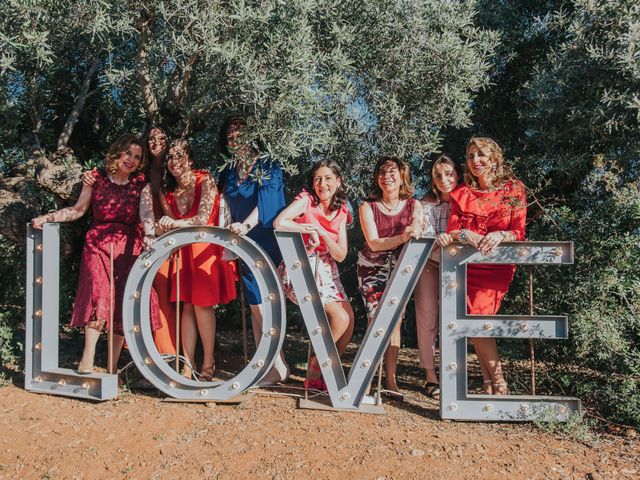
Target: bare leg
118,342
279,371
91,336
341,322
487,351
391,360
206,319
189,336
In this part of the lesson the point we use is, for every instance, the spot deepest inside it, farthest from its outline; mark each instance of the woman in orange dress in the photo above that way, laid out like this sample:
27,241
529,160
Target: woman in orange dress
190,197
489,209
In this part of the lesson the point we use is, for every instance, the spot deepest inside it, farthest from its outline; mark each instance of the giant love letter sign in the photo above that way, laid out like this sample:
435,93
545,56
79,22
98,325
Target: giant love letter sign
348,394
137,327
456,326
43,375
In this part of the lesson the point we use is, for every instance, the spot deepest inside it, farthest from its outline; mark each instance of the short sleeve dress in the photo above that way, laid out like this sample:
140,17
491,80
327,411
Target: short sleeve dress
484,211
374,268
328,278
115,221
205,278
264,188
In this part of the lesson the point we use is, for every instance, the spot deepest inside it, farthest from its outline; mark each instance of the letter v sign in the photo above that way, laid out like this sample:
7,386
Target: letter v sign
349,393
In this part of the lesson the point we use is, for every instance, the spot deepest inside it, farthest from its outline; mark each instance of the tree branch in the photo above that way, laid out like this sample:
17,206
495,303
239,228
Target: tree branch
144,73
181,88
73,117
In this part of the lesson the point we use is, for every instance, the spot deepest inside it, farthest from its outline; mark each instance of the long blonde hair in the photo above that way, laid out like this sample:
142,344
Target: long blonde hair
491,149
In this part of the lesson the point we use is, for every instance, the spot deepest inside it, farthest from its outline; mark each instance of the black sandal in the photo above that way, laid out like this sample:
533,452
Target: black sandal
432,390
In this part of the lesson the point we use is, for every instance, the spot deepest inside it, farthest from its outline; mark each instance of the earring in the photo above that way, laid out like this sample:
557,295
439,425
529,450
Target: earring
494,167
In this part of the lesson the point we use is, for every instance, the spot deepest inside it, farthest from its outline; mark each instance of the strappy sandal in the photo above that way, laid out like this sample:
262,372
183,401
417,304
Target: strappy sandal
432,390
393,395
206,374
488,387
186,372
501,388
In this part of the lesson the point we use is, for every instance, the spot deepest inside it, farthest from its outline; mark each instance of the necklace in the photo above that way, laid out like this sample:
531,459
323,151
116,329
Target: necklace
390,209
118,181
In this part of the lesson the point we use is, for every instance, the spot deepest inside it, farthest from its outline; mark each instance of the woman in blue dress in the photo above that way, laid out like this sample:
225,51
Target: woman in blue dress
254,191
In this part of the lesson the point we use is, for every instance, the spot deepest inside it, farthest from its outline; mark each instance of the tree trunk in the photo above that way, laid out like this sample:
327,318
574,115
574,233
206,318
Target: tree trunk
63,139
144,73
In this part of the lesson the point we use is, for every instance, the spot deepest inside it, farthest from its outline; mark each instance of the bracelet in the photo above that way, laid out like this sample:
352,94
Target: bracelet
462,236
503,233
248,226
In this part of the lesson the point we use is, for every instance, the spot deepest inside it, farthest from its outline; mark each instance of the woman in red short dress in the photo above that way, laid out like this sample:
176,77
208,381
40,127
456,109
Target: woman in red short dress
321,214
119,197
189,198
489,209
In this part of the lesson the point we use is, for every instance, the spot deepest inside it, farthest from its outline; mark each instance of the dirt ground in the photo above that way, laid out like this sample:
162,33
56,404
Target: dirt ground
267,437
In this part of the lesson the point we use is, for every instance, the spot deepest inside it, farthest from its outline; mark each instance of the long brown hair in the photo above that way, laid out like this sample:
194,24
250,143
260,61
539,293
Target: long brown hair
406,188
340,197
443,160
165,131
169,182
120,146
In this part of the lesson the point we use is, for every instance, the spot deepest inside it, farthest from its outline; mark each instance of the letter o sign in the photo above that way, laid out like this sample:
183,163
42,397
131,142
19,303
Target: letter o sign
137,327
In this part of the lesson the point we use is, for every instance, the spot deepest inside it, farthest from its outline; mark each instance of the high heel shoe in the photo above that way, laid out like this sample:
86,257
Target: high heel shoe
501,388
315,384
206,374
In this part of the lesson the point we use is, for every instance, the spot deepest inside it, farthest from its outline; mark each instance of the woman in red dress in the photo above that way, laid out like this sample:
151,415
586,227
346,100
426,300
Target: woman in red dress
321,214
190,197
489,209
157,143
119,198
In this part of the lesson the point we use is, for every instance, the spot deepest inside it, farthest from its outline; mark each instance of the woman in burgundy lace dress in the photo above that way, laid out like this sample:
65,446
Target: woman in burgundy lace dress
119,198
388,220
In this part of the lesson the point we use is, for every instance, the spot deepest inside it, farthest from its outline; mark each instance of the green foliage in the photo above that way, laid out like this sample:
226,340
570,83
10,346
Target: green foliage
12,281
576,427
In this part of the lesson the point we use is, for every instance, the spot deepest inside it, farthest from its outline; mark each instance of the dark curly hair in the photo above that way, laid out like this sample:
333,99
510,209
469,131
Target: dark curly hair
121,145
340,197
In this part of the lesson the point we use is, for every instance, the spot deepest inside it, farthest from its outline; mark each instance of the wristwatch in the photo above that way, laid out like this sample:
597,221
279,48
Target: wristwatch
462,236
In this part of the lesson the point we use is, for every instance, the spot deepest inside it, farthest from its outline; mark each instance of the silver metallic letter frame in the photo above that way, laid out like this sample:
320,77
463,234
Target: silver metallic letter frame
137,328
456,326
348,393
42,373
